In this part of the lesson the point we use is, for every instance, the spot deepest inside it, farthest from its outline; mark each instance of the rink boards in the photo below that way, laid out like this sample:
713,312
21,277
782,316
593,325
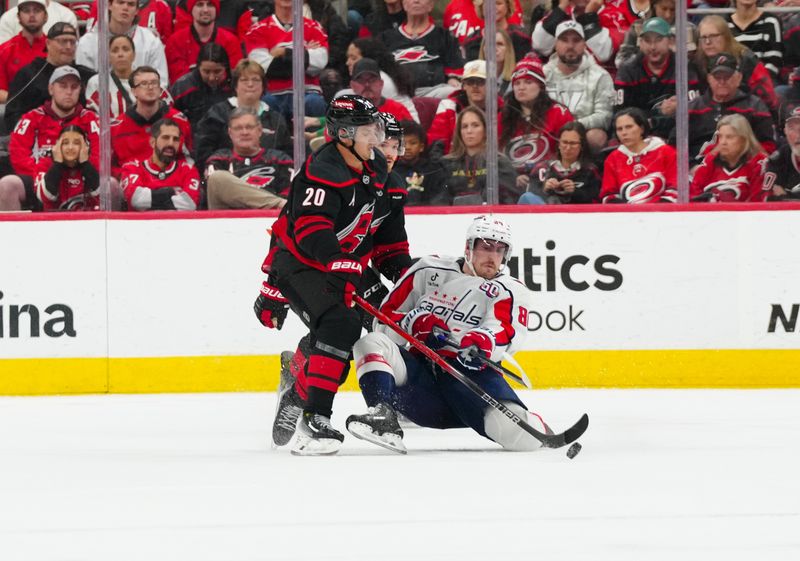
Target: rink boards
151,303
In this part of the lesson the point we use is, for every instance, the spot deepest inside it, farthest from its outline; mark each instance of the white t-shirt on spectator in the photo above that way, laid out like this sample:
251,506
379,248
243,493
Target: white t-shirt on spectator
9,22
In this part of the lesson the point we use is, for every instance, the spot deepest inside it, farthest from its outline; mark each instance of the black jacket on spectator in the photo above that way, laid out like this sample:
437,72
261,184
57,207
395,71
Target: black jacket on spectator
212,130
465,181
705,112
585,177
424,180
782,171
28,89
519,38
380,20
637,86
193,97
339,35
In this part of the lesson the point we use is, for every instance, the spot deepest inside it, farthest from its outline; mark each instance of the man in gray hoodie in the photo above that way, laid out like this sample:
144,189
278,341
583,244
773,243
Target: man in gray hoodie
575,80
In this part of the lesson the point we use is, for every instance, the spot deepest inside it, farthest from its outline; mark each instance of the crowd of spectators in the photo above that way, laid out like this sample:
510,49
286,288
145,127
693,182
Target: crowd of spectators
201,99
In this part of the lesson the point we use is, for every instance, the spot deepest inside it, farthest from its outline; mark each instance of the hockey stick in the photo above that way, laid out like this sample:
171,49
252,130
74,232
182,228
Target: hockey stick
547,440
474,352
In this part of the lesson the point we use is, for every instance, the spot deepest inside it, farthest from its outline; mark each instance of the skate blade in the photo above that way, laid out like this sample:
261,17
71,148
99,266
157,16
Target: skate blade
306,446
389,441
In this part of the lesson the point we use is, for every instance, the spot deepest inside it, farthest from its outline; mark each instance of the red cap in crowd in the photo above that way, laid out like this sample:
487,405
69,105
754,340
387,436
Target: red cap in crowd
529,68
190,5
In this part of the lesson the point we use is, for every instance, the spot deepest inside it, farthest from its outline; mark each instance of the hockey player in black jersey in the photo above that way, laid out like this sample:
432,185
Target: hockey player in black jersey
338,216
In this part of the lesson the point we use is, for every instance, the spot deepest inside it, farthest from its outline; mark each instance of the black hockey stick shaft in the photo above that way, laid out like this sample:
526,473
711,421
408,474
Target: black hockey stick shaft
547,440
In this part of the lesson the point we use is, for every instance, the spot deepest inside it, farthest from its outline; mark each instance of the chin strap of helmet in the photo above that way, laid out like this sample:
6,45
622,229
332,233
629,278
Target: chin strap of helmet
352,148
468,260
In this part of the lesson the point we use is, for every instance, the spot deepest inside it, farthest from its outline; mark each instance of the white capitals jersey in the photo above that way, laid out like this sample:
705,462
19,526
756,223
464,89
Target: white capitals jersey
497,307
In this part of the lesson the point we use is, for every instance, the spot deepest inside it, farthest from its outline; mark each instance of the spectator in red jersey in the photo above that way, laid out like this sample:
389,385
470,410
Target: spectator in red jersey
130,134
521,39
465,165
473,92
122,21
28,44
37,132
270,44
715,37
464,17
163,181
68,180
643,169
733,171
247,175
570,178
184,45
530,121
367,82
206,85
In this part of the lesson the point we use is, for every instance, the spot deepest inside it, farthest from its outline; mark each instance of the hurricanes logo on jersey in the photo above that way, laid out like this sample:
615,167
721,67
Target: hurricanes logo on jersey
528,149
728,189
413,54
354,233
644,190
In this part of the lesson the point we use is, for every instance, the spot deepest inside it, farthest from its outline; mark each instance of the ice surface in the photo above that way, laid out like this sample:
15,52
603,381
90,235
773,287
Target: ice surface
663,475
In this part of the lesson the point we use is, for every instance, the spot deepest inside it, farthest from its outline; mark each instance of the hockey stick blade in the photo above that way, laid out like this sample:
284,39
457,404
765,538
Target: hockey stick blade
547,440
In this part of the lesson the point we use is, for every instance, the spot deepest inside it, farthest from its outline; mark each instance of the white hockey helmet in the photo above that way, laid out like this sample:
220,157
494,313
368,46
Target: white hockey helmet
488,227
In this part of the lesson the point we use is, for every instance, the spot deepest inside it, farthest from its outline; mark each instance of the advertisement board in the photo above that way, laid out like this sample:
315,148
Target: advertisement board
651,299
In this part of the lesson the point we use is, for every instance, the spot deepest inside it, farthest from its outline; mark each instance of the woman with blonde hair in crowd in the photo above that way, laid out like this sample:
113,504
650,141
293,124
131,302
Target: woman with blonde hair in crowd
465,165
506,60
715,37
733,171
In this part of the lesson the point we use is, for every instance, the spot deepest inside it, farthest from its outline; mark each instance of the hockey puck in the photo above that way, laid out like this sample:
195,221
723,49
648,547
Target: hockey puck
573,450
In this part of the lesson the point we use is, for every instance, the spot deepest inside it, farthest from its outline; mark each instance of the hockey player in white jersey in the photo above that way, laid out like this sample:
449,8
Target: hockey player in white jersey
460,307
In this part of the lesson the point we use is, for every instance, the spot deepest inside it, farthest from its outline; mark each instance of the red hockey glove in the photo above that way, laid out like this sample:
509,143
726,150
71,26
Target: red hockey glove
344,276
426,327
271,307
474,344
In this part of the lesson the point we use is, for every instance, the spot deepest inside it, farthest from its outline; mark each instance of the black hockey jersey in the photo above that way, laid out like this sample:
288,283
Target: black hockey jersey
783,170
433,57
269,169
637,86
333,209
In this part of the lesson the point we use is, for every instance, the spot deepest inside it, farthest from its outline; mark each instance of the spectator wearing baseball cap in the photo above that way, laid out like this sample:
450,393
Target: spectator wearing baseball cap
30,147
725,97
367,82
11,26
664,9
28,44
783,169
575,80
472,92
29,88
530,120
595,25
647,81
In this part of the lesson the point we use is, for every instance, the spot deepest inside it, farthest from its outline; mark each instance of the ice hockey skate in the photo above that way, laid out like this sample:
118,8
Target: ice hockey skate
316,436
379,426
289,407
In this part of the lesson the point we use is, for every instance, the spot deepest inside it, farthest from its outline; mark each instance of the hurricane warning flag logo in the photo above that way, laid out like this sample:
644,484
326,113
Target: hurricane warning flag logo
413,54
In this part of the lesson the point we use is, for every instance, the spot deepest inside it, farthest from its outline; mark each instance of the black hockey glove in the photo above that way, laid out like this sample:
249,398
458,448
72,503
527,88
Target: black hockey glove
271,307
373,291
344,277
